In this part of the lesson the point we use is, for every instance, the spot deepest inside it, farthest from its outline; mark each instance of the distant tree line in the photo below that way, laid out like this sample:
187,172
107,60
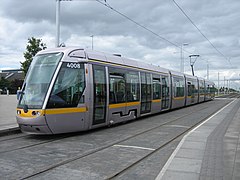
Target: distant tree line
12,86
221,89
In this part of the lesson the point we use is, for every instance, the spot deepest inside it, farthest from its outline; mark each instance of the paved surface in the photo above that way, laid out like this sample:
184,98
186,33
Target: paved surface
211,151
134,150
8,106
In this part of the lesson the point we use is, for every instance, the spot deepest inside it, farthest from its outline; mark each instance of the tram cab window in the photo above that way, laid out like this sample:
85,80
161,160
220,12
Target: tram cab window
178,87
68,87
117,86
38,79
156,88
132,79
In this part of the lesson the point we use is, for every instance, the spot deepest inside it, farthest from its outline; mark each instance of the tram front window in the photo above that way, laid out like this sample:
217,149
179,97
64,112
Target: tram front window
38,79
68,87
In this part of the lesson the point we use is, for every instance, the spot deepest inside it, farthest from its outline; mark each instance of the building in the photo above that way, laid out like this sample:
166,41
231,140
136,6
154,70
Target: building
15,78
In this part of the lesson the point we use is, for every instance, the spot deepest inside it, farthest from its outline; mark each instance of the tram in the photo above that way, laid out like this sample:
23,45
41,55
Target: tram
73,89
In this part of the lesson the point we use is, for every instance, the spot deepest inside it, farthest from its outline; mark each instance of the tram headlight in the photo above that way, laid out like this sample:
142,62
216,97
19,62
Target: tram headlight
36,113
18,112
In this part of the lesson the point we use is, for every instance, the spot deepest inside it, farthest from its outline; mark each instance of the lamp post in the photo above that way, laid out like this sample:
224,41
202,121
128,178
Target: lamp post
182,58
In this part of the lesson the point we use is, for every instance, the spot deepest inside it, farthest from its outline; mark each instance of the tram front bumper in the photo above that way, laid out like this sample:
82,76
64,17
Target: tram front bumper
32,124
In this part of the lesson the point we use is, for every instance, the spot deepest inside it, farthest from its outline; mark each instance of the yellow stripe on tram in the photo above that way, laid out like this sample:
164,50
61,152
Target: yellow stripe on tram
178,98
66,110
156,100
120,105
30,113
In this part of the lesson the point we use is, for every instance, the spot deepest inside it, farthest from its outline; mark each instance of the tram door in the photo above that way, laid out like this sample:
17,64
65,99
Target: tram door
165,92
146,92
100,94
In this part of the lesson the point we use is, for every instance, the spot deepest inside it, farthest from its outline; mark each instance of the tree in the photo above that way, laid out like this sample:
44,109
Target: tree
33,47
4,84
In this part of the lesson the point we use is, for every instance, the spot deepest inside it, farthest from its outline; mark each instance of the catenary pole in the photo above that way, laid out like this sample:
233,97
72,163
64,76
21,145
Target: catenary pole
57,22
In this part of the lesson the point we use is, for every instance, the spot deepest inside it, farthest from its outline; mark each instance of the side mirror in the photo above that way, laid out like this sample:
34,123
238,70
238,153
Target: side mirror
19,94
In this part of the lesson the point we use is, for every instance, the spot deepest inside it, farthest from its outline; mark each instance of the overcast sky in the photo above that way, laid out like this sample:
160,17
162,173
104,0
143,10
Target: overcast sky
218,20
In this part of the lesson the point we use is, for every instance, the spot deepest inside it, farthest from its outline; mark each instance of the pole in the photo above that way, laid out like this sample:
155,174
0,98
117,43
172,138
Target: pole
193,61
224,85
192,70
207,71
57,22
218,83
181,62
182,57
92,41
229,86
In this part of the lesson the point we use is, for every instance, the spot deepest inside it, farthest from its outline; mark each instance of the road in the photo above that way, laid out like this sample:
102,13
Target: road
8,106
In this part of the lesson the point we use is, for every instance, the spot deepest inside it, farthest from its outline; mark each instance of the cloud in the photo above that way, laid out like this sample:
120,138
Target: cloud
115,34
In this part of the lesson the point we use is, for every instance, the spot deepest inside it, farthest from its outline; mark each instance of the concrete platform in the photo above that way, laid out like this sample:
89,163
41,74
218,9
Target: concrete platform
209,151
8,106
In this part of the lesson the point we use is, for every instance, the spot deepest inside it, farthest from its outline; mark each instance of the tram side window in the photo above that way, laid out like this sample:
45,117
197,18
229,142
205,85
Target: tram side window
156,88
178,87
146,87
208,89
117,92
133,89
165,86
68,87
190,88
195,85
201,88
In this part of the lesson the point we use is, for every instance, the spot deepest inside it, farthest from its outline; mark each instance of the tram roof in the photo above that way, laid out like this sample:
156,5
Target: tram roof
105,57
88,54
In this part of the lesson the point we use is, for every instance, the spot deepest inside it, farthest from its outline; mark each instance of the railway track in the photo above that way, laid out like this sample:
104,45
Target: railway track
45,141
51,138
232,95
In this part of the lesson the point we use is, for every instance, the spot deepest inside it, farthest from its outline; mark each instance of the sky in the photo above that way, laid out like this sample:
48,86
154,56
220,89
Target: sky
218,21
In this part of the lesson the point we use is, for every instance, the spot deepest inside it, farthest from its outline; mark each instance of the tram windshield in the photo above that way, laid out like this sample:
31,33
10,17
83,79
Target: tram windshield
38,79
69,86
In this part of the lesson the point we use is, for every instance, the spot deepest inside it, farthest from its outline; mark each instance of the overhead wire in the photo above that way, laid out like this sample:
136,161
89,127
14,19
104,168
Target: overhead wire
106,4
185,14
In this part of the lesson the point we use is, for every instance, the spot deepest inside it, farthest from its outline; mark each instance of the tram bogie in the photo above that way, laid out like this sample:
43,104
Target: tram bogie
69,90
